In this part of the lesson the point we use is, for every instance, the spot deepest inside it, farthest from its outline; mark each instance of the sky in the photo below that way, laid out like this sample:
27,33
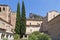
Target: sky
39,7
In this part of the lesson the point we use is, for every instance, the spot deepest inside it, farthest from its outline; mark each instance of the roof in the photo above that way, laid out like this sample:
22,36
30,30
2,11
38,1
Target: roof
35,16
54,11
54,18
5,21
2,29
29,19
3,5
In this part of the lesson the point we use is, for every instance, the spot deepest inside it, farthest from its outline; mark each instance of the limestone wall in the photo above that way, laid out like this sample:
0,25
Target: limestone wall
52,14
13,19
32,26
54,26
5,13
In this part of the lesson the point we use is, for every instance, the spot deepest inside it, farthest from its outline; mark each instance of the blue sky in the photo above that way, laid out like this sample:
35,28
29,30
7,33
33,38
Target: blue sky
39,7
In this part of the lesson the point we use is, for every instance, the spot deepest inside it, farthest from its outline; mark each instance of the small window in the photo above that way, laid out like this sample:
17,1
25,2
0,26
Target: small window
30,23
0,9
3,8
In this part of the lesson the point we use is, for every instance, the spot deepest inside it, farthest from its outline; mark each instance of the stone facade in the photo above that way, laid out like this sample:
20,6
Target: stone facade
6,24
13,19
9,19
32,25
49,24
52,14
54,27
4,12
5,29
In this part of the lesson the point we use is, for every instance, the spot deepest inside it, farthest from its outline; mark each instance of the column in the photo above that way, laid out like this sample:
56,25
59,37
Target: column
12,37
0,35
23,36
27,36
5,36
8,36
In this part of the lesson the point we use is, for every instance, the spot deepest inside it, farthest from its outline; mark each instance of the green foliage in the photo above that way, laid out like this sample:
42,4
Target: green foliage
36,33
23,20
5,39
38,36
16,37
20,27
17,27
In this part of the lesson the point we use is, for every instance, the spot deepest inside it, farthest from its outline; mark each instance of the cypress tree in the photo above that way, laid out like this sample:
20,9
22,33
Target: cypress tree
23,20
17,27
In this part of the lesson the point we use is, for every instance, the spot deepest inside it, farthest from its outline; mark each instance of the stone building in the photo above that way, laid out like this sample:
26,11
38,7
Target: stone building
54,27
7,22
50,15
51,24
33,23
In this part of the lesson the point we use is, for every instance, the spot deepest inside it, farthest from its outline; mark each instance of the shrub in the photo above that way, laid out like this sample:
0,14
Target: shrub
5,39
38,36
16,37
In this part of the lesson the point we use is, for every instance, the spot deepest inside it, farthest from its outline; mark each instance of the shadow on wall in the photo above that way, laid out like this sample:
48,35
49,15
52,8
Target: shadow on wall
41,28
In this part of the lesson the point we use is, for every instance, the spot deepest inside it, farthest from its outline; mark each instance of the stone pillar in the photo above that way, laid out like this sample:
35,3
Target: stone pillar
12,37
23,36
27,36
5,36
8,36
0,35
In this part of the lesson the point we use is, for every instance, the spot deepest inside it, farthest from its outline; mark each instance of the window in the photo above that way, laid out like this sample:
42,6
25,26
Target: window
3,8
30,23
0,9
